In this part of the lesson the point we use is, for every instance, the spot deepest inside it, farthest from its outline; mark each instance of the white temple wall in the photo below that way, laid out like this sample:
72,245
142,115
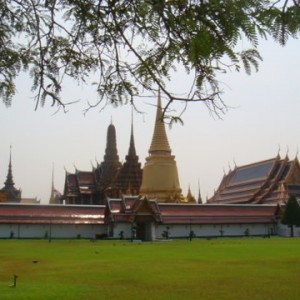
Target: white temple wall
51,231
77,230
121,227
285,230
214,230
153,231
8,231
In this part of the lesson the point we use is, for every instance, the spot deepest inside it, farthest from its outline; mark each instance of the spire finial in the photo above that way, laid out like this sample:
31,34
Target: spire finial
229,166
159,140
51,200
234,163
52,186
10,150
131,120
278,153
131,151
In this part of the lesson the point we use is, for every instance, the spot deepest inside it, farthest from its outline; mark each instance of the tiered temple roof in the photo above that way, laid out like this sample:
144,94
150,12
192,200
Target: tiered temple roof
132,209
56,214
265,182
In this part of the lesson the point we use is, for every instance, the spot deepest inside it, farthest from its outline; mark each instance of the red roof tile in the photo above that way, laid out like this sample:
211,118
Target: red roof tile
71,214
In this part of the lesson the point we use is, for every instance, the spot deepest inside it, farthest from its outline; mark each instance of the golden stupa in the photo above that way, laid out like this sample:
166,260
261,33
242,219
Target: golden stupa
160,176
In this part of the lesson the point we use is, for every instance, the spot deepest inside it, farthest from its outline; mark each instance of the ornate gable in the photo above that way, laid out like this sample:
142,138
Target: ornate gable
293,176
143,206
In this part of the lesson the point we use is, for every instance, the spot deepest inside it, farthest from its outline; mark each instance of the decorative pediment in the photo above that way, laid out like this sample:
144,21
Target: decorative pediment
143,206
293,177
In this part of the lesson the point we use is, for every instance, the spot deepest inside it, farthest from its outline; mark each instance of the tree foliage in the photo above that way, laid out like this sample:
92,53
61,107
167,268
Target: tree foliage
133,46
291,215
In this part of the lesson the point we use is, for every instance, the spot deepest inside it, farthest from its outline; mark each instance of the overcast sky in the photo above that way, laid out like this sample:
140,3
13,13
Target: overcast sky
264,118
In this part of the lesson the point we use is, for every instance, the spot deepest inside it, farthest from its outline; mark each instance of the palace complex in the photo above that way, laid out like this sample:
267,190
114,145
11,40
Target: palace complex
124,200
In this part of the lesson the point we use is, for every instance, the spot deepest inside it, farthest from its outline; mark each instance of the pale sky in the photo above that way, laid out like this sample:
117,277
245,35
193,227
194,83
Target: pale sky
264,118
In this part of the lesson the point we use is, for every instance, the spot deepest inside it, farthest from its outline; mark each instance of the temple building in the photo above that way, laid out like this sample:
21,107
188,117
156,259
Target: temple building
160,175
266,182
108,179
9,193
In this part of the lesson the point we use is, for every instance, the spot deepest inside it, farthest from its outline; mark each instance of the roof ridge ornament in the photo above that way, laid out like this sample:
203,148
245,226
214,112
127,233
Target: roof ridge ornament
278,152
235,166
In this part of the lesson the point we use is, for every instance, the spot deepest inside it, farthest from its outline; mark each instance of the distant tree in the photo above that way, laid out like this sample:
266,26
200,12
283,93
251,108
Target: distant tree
247,232
166,233
132,46
291,215
192,235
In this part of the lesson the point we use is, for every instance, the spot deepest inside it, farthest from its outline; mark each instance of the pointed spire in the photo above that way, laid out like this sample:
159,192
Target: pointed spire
189,191
159,140
51,200
52,184
199,194
9,183
55,196
132,151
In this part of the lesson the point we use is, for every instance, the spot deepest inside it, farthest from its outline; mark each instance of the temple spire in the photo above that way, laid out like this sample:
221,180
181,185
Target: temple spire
199,194
111,165
55,196
111,152
160,143
11,193
9,183
51,200
132,151
130,175
160,177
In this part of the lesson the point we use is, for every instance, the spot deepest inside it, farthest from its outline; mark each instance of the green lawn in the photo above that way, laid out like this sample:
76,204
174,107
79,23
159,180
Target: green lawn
246,268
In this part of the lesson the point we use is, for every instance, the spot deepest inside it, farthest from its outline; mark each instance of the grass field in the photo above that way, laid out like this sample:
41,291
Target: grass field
246,268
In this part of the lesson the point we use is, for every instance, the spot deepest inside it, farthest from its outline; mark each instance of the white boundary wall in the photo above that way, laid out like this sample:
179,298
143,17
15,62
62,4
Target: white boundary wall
285,230
42,231
218,230
154,231
206,230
